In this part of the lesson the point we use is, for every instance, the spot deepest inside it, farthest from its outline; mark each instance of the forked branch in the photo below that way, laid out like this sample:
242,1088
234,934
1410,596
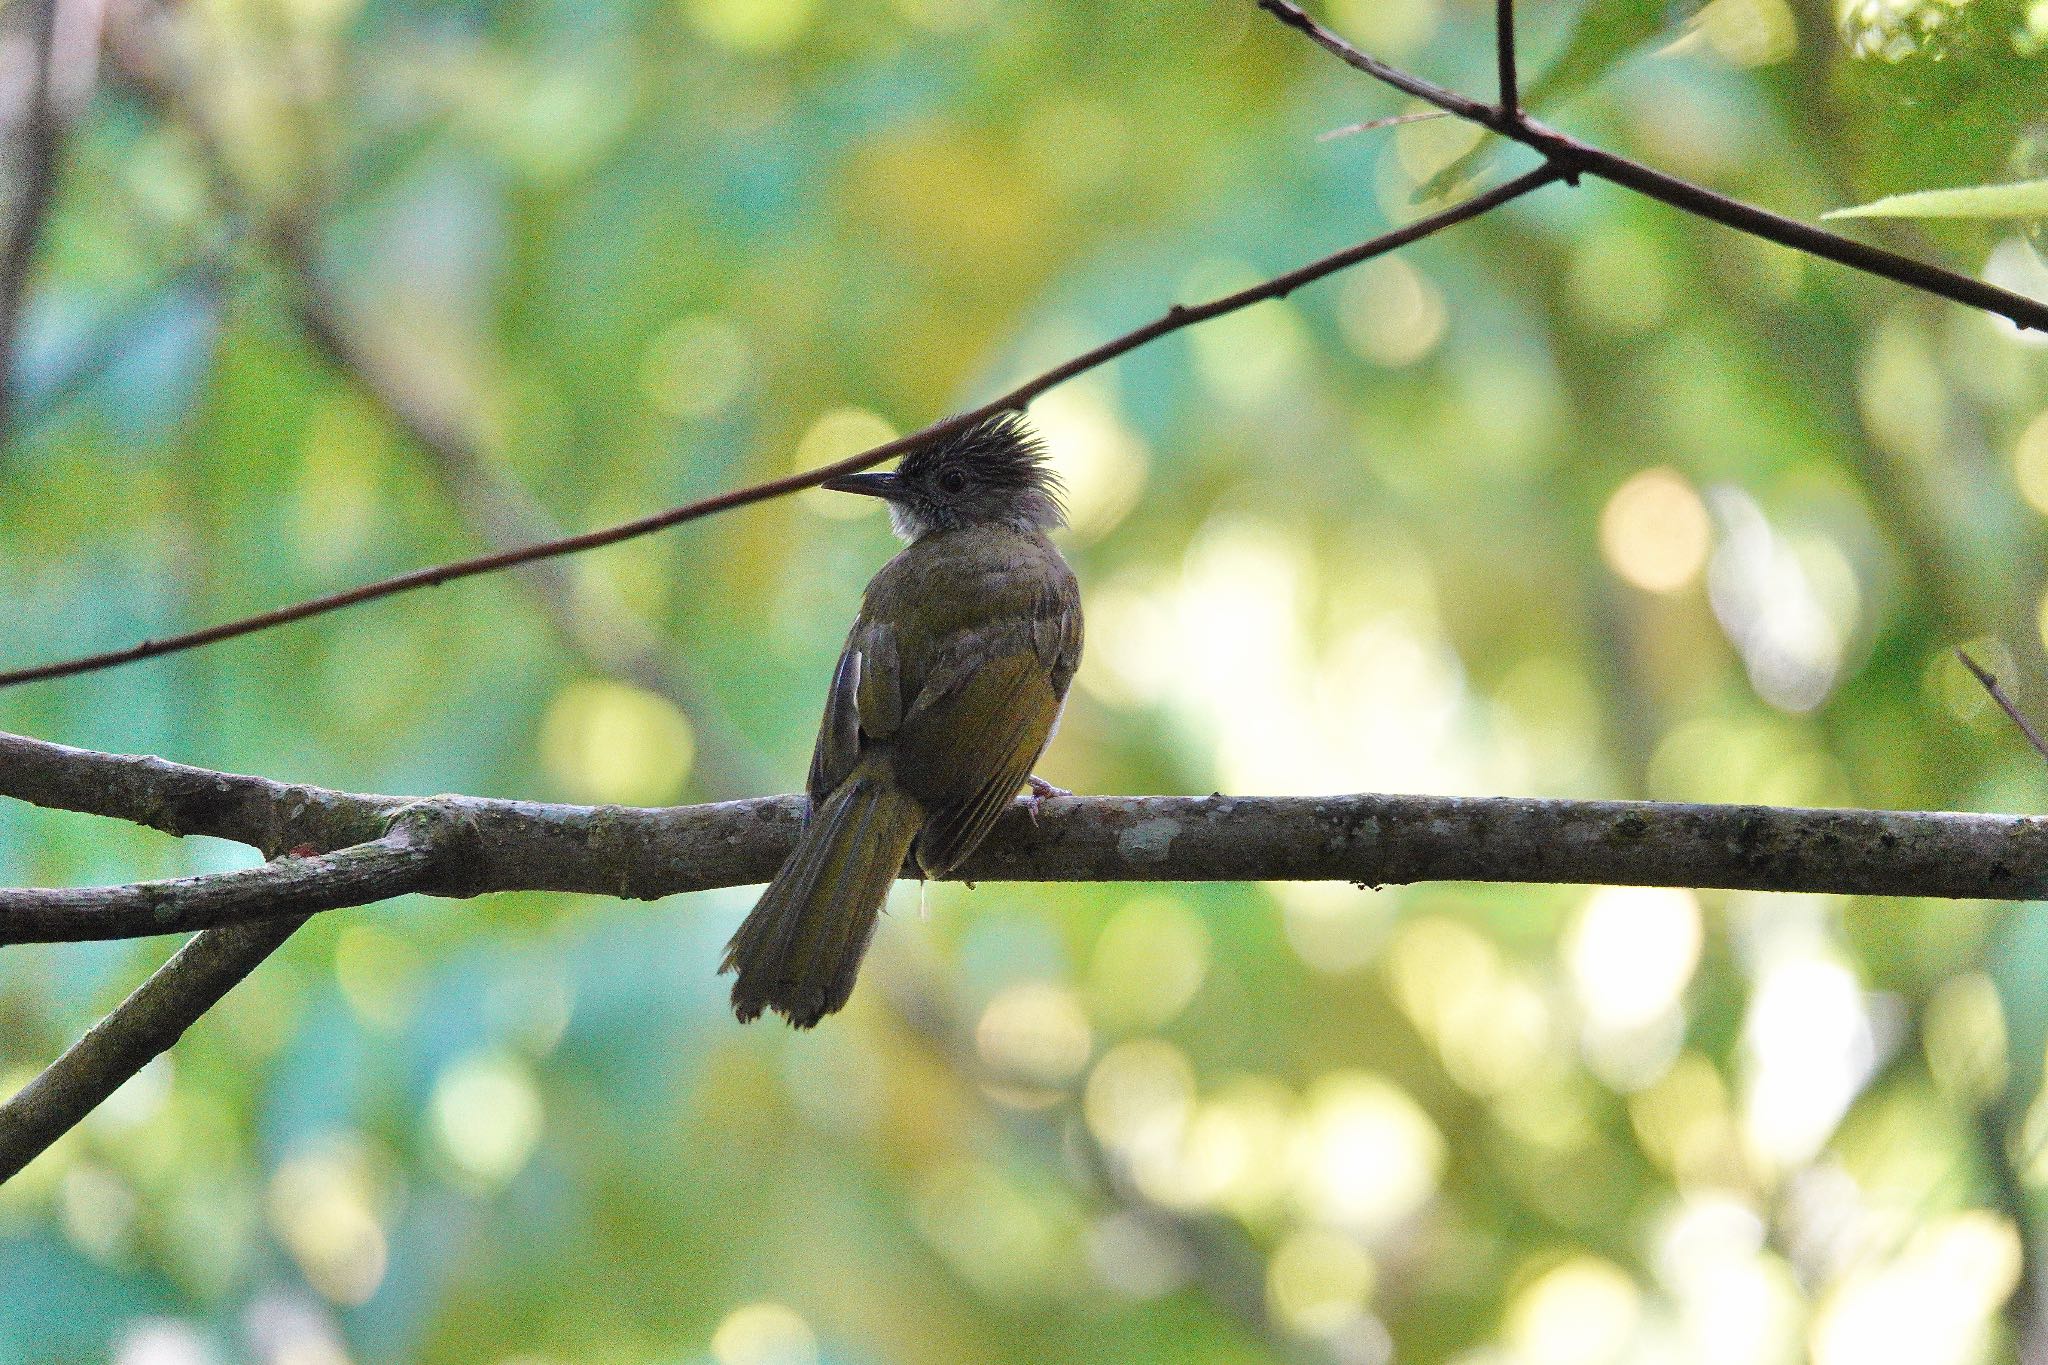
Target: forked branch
1578,157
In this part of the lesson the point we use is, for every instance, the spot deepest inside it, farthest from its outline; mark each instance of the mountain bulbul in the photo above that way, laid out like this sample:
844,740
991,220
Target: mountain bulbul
950,685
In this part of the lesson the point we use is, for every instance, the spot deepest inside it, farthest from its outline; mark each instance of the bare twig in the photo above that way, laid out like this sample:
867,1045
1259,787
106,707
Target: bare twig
1504,54
1583,158
1173,320
1375,124
1565,158
155,1016
2005,703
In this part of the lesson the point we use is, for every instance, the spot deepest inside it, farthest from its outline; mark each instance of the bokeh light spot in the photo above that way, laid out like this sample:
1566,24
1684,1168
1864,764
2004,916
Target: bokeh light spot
1318,1281
1148,963
1929,1306
1391,313
1810,1047
608,742
2030,463
323,1207
1245,358
1334,927
1368,1156
696,367
1632,951
1136,1089
764,1334
758,26
163,1341
1391,29
1583,1312
1101,461
1655,532
487,1117
1035,1032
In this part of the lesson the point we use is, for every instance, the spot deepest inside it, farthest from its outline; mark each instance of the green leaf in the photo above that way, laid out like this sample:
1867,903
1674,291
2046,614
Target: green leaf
2022,199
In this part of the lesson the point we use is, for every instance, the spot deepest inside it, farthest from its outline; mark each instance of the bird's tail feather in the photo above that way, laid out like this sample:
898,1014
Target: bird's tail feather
799,950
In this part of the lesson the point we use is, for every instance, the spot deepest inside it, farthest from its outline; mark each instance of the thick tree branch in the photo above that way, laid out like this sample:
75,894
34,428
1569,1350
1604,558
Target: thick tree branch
155,1016
1173,320
349,848
272,817
1580,157
401,861
465,845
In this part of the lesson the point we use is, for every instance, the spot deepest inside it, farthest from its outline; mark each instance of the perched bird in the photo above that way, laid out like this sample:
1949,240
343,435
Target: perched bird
950,684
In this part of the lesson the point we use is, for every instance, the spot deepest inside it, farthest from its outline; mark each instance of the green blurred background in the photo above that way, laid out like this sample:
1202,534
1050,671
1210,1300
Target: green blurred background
1583,499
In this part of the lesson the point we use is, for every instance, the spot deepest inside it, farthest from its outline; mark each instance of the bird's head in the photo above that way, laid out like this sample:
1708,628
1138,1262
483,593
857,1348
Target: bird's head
992,473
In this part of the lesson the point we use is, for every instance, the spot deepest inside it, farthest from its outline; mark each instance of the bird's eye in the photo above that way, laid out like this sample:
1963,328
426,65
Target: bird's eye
952,481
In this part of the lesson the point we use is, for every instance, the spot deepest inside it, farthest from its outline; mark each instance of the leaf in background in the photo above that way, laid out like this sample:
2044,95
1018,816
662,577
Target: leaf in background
2022,199
1605,33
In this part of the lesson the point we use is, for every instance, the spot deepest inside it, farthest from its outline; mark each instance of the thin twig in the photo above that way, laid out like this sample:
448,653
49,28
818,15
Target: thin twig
1173,320
2005,703
1375,124
1583,158
1504,49
155,1016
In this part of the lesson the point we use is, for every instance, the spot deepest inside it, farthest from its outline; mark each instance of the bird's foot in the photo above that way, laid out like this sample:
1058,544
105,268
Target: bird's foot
1041,792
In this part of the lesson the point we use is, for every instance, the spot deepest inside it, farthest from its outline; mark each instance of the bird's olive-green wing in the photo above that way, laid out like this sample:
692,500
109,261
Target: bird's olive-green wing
1056,630
968,743
999,697
865,702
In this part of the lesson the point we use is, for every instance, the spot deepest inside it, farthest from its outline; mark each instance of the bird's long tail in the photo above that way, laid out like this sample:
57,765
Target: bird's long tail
799,950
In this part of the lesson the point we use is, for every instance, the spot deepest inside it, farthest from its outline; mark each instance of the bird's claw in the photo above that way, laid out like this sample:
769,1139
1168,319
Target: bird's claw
1041,792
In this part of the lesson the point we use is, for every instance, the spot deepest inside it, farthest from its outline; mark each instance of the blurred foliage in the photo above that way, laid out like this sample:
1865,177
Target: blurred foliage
1584,498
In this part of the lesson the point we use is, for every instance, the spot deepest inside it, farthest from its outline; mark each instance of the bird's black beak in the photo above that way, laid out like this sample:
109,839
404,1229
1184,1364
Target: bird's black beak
883,485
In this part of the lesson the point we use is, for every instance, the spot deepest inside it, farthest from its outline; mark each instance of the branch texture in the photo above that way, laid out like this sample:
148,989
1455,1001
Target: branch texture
347,848
466,846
